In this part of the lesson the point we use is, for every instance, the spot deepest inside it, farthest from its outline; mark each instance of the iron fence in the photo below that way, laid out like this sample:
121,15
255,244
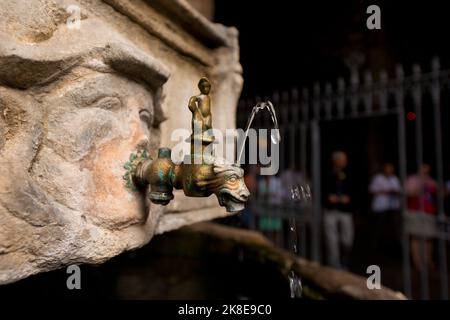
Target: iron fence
303,113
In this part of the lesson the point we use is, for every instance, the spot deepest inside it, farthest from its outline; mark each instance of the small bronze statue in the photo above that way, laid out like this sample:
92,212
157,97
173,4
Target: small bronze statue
200,106
200,174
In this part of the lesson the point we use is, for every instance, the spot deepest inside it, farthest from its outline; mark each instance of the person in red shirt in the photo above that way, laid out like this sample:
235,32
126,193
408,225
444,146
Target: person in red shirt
421,192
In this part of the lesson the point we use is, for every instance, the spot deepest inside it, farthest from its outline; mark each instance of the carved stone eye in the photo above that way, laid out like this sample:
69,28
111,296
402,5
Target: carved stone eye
232,179
146,117
107,103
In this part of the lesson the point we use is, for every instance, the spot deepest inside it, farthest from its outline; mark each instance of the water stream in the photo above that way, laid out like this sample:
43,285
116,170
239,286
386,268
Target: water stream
300,194
274,133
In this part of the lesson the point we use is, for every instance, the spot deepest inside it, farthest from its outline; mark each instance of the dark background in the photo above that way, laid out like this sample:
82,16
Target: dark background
286,43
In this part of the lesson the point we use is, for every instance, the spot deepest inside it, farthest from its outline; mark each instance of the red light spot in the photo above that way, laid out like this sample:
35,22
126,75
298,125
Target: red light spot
411,116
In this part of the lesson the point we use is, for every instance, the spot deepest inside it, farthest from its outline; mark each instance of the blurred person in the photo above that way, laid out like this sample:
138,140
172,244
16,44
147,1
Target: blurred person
338,219
385,188
421,192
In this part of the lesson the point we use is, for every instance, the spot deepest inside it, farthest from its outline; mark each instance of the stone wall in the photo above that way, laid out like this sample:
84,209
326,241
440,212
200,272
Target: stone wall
77,96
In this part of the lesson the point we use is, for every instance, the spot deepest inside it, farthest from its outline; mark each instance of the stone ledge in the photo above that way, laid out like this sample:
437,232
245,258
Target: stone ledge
322,282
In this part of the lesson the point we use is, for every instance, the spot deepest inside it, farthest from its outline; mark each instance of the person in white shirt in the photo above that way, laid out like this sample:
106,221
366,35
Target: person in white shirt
385,188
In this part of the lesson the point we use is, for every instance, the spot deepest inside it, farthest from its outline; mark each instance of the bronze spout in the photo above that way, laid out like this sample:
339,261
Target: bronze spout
200,174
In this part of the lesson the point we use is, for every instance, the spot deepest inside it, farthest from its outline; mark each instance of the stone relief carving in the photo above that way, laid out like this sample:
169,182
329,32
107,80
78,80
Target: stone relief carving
74,103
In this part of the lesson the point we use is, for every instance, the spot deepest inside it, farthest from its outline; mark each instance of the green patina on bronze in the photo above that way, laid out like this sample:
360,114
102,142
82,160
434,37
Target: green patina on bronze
131,165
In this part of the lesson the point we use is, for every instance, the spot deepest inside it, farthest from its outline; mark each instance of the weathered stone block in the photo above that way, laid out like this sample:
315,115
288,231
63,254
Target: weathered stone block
76,101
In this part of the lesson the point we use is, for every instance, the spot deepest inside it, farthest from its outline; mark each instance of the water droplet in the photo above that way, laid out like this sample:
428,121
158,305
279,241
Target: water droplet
295,193
242,297
301,193
275,136
295,285
308,193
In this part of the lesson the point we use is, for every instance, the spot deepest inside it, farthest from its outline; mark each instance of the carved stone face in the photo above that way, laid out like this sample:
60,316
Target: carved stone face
71,113
62,151
92,126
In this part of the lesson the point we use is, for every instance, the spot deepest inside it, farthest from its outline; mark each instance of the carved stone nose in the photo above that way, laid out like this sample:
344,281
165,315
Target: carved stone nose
244,194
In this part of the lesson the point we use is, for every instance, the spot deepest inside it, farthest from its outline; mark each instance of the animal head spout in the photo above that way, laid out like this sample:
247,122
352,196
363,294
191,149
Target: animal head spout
230,189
